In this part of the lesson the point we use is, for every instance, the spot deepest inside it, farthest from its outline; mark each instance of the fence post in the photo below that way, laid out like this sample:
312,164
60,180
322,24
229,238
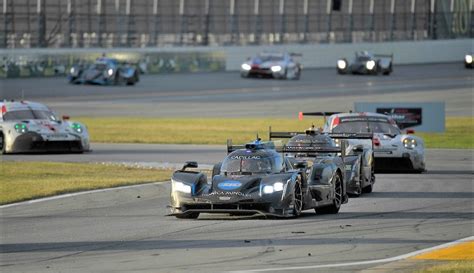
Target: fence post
372,21
233,22
282,29
205,40
5,24
258,21
329,18
100,23
413,19
155,24
41,24
393,20
306,21
182,22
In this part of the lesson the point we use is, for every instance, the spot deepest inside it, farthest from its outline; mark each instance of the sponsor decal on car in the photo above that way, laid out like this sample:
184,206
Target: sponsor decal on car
229,185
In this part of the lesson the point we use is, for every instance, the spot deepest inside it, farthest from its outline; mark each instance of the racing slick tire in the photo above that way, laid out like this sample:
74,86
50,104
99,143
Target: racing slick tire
367,189
192,215
338,198
297,201
2,143
133,80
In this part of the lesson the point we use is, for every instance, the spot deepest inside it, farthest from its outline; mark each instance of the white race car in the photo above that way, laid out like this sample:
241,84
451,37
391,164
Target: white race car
27,127
393,150
274,65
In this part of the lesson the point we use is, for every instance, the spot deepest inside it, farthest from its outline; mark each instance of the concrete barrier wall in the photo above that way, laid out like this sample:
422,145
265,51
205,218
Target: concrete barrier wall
230,58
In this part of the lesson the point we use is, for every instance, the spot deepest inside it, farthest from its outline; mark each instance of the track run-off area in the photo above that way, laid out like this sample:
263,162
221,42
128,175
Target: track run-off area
126,230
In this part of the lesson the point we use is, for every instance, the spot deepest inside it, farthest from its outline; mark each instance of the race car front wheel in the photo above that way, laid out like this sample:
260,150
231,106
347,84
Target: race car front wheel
297,198
2,143
338,198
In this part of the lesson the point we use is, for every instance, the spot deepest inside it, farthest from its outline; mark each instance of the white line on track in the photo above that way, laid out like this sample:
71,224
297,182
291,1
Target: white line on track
387,260
75,194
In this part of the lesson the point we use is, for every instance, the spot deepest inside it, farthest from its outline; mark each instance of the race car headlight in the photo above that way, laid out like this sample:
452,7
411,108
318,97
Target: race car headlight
409,143
246,67
278,186
77,128
181,187
337,142
370,65
110,72
468,59
341,64
21,128
276,68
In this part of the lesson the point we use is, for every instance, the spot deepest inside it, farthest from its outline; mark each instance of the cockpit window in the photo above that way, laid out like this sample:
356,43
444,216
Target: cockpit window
366,127
29,114
251,164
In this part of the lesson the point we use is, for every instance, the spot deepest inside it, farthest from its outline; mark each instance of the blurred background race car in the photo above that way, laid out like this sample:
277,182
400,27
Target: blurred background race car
271,64
32,127
468,61
104,71
366,63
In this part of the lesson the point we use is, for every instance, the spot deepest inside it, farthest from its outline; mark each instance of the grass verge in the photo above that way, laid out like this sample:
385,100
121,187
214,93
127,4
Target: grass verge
451,267
22,181
458,135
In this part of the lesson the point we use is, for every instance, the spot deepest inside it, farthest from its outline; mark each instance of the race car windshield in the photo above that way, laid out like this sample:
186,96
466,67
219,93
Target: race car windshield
29,114
100,66
366,127
270,58
363,58
250,165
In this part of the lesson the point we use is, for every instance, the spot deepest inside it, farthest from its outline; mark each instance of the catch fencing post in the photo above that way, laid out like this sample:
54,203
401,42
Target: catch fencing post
306,21
392,17
413,19
41,23
155,23
329,18
281,11
258,21
205,40
372,21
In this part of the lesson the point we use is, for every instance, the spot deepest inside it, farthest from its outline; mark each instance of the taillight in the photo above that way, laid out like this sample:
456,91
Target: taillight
335,122
376,141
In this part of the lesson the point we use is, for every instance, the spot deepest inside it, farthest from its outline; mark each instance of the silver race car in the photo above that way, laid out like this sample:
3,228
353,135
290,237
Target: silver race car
366,63
32,127
273,65
393,150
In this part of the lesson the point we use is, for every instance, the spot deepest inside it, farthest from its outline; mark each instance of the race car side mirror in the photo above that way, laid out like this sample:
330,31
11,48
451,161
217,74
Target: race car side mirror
410,131
66,117
189,164
358,149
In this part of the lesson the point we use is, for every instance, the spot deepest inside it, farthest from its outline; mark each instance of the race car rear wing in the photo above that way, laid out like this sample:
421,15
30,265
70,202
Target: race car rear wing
368,136
312,151
384,56
320,114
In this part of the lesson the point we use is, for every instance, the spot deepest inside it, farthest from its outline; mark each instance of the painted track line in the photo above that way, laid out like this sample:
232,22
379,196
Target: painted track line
75,194
386,260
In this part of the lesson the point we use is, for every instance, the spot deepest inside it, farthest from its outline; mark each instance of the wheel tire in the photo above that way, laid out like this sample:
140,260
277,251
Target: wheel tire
2,143
367,189
193,215
297,198
338,198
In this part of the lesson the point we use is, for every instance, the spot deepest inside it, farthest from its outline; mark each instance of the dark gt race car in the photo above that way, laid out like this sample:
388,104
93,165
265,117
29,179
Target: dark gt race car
366,63
104,71
256,179
273,65
468,61
358,159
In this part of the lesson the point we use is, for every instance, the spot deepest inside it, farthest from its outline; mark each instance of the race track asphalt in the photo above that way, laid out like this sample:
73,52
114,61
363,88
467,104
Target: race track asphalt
126,230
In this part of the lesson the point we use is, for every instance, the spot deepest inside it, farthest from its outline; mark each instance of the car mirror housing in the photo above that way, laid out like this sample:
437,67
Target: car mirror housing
65,117
410,131
189,164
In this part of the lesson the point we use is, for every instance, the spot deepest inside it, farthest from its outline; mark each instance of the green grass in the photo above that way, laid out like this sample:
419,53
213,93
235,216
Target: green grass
450,267
29,180
458,135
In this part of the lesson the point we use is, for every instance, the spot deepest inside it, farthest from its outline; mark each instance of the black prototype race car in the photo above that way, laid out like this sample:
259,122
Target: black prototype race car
105,71
358,159
366,63
257,179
